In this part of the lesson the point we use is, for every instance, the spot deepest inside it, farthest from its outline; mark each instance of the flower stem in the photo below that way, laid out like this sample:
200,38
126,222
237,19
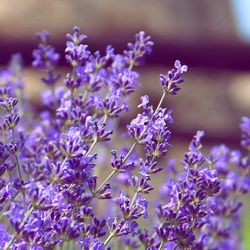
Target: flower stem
20,175
133,200
111,235
18,167
129,152
161,245
160,102
92,146
106,181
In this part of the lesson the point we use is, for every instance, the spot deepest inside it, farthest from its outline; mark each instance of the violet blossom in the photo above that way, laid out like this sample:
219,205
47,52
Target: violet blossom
50,163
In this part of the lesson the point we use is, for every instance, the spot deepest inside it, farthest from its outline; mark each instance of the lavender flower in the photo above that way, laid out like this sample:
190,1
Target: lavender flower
45,58
50,163
245,127
136,52
76,52
169,82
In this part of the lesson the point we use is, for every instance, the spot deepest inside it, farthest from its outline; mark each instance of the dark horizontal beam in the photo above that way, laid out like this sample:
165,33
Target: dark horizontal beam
212,56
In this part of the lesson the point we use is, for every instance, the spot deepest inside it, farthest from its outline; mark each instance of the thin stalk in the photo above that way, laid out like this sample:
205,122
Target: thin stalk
85,94
18,167
175,247
160,102
129,152
92,146
26,216
161,245
106,181
133,200
20,175
111,235
64,161
155,234
131,65
105,117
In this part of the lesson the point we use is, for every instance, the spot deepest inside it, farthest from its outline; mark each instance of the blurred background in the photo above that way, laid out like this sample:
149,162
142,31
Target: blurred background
212,39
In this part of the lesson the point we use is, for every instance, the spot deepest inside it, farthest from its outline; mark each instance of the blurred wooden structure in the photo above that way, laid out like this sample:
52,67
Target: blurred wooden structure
200,33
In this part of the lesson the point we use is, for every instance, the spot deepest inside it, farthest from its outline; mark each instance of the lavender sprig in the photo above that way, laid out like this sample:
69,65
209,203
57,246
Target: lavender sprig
53,158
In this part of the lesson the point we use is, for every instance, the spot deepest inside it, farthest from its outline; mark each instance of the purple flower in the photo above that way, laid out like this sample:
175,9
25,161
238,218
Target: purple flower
141,185
170,82
51,160
71,144
118,163
111,106
142,46
76,52
9,103
144,102
45,58
125,83
245,128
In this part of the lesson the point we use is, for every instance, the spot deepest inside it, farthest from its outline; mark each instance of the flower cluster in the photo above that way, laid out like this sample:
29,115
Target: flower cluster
52,178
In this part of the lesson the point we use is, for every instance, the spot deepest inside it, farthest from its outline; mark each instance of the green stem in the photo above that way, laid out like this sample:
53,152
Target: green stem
26,216
106,181
64,161
105,117
111,235
129,152
160,102
161,245
92,146
85,94
131,65
133,200
66,245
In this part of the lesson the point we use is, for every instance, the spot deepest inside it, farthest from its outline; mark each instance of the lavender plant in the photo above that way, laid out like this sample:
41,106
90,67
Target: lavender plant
52,195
